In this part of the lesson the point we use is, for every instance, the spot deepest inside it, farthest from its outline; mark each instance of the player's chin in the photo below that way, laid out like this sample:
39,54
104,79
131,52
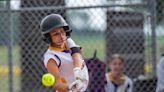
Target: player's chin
60,43
117,72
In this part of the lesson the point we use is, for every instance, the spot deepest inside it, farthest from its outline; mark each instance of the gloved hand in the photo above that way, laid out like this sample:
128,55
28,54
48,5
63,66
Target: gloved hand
80,81
76,86
79,74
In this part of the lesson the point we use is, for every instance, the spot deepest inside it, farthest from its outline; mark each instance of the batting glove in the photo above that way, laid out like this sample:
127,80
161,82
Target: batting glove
76,86
79,74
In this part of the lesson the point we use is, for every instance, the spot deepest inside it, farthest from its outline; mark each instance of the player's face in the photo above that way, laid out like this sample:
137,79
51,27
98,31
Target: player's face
116,66
58,36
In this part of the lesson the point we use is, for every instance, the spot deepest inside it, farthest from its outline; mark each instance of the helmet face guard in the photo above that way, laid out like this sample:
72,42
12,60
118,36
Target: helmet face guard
51,22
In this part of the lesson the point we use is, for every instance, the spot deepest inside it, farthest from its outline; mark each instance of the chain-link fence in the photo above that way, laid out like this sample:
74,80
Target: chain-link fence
132,28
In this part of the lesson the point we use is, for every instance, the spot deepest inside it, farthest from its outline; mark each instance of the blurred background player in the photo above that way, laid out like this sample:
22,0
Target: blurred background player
63,58
117,81
160,75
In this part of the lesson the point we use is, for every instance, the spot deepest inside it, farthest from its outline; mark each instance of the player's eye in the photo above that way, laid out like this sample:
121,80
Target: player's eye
63,33
56,34
59,33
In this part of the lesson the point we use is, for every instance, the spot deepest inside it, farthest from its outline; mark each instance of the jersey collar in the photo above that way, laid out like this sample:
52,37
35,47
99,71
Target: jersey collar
110,76
58,49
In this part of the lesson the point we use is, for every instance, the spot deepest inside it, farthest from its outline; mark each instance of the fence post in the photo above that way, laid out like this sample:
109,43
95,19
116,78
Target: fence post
152,7
10,49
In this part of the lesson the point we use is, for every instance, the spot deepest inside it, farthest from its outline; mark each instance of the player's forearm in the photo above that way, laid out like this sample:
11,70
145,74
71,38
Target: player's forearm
75,52
77,59
60,83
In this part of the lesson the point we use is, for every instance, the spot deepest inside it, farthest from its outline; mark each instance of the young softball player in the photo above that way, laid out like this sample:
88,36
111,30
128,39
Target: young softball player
117,81
63,58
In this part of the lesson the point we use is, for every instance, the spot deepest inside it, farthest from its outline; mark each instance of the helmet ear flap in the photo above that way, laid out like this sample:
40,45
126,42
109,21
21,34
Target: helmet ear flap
68,33
46,38
67,30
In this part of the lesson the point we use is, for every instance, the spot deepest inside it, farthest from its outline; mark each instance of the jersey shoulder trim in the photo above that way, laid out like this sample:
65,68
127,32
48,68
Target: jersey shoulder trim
58,59
50,55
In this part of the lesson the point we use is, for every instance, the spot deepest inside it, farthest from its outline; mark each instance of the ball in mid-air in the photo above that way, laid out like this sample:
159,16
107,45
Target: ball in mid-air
48,80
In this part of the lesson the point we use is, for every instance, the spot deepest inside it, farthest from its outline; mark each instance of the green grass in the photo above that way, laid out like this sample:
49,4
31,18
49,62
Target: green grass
91,42
4,55
160,46
4,62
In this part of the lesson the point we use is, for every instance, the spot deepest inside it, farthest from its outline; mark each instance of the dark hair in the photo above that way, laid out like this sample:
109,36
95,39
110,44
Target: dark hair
116,56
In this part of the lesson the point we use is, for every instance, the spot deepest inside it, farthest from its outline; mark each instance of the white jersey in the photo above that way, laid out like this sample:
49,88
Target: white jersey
65,64
127,86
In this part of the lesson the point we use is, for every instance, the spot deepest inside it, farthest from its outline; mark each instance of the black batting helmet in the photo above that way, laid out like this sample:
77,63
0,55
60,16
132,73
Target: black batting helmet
50,22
